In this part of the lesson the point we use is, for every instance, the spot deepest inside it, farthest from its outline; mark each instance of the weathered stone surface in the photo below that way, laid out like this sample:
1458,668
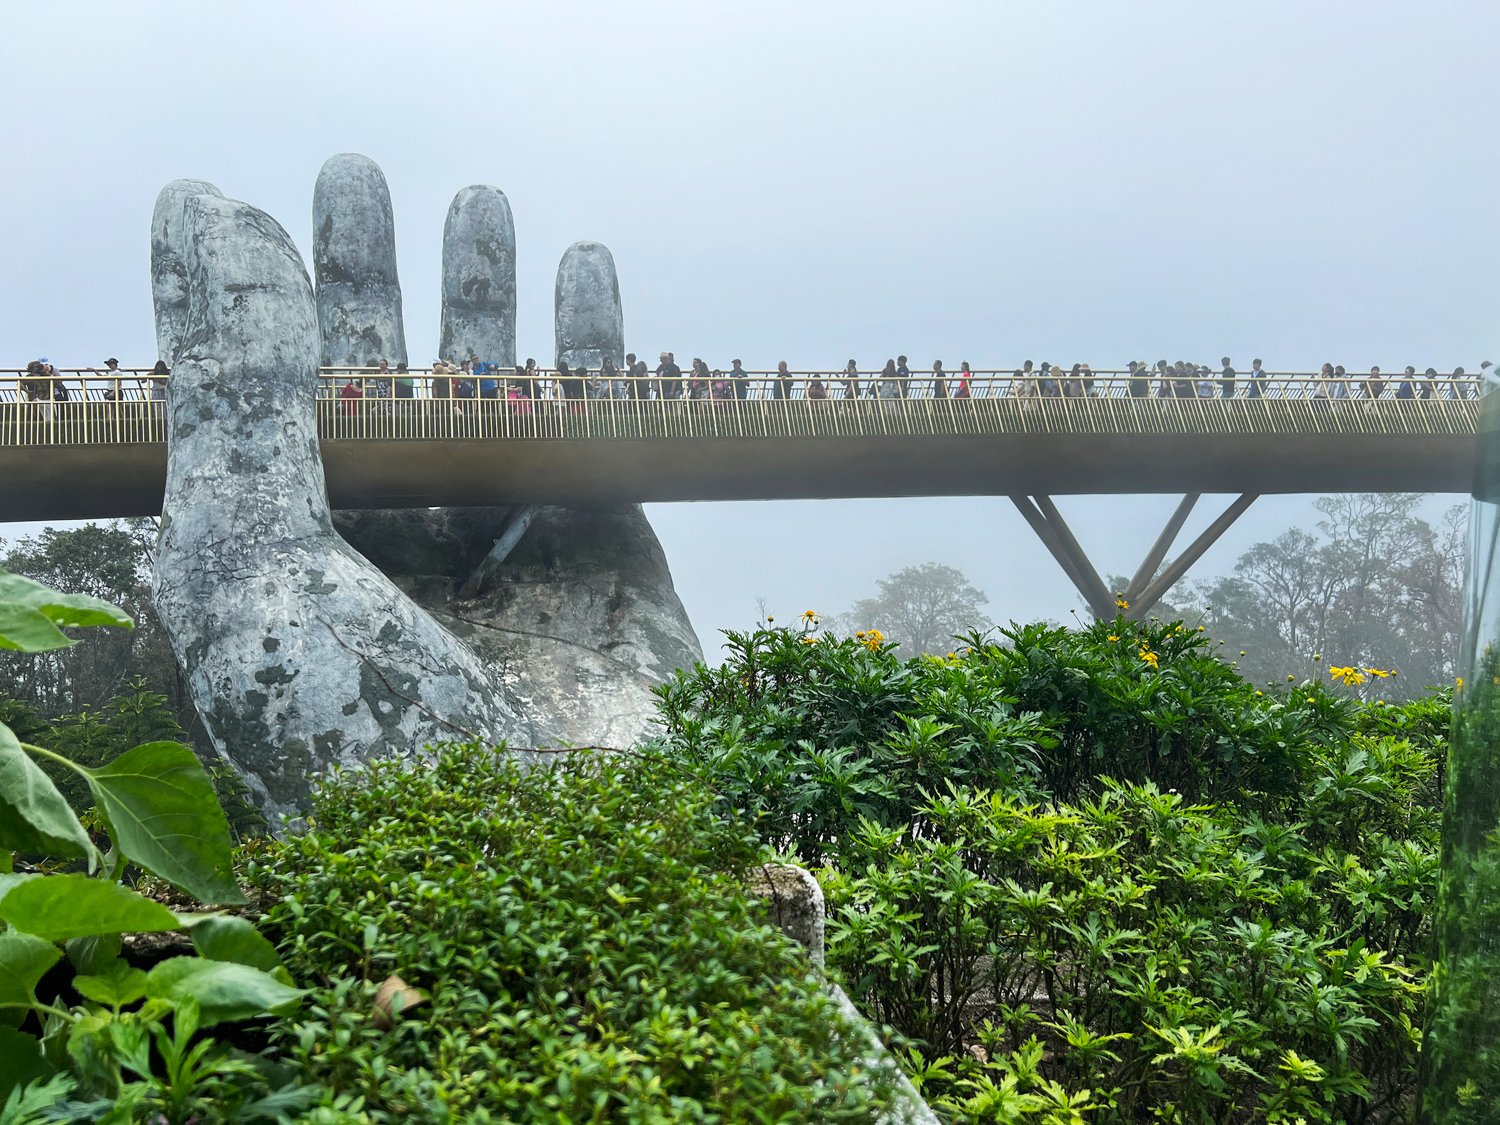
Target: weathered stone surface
479,278
589,323
578,623
300,654
797,910
796,903
354,261
169,262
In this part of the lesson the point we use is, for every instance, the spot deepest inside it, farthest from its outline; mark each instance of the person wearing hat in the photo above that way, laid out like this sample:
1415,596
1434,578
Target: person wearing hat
668,377
112,373
740,381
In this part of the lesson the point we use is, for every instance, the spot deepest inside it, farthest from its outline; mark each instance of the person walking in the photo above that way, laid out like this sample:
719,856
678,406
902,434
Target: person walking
851,381
783,385
963,390
1226,379
1257,378
1407,388
939,380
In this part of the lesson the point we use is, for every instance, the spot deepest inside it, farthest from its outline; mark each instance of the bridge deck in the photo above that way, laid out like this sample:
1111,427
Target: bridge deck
90,458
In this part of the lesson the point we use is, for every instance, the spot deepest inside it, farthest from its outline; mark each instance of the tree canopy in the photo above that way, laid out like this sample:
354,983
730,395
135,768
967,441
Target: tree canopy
1373,584
921,609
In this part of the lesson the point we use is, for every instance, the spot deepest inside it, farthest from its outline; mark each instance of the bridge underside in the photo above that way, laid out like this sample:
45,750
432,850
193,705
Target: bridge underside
93,481
101,480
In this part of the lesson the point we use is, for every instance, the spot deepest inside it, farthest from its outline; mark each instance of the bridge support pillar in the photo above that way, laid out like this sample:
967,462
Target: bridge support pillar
515,527
1151,581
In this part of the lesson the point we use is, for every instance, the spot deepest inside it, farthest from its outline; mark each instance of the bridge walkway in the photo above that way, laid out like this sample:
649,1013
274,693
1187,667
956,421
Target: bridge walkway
102,451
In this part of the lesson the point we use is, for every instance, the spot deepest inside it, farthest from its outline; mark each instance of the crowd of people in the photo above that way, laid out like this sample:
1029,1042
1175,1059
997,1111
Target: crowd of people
524,384
52,396
476,379
1189,380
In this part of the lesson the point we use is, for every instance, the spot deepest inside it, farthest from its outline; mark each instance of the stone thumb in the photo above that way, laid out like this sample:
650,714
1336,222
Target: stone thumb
300,655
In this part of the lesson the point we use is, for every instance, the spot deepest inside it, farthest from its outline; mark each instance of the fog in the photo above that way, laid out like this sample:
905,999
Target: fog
987,182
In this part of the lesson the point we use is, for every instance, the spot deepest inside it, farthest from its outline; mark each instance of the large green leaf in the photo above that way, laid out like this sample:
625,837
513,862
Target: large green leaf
223,990
117,985
226,937
24,960
15,879
20,1060
58,907
34,816
31,613
90,954
163,814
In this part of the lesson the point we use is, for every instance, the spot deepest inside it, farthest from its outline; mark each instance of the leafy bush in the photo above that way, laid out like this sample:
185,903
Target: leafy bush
1095,875
135,715
582,940
111,1054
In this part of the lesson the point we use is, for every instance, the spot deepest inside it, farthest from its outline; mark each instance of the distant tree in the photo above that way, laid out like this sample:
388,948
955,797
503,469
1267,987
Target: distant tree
109,561
921,608
1375,586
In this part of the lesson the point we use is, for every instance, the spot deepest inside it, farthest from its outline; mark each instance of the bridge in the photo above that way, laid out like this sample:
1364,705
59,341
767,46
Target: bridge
441,440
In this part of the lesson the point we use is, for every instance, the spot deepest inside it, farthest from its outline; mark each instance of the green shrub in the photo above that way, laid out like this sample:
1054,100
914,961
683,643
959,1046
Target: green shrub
134,715
587,948
1094,874
95,1037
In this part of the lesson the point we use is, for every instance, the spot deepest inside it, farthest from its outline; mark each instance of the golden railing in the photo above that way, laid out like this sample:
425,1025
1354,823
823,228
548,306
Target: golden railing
86,407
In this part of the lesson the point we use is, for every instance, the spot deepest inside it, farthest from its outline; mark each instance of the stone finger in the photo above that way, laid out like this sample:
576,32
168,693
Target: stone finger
590,326
169,294
354,262
479,278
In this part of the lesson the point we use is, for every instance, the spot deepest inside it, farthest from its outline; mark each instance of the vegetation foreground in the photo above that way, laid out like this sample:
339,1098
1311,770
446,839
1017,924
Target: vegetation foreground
1083,876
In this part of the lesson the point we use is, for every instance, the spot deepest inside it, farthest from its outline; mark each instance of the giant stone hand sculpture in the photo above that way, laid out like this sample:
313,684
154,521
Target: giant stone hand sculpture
302,652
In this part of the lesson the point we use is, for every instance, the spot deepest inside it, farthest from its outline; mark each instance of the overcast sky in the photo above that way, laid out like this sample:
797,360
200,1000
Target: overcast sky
987,181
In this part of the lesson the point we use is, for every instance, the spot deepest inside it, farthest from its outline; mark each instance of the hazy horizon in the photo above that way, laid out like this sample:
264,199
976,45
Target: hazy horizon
975,182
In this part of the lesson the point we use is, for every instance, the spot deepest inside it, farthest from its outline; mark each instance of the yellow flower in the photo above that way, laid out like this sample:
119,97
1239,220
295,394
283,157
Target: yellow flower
809,614
1121,603
859,636
1382,673
1458,683
1200,628
1260,693
1289,679
1111,638
1150,658
1310,699
769,619
809,640
873,639
1347,676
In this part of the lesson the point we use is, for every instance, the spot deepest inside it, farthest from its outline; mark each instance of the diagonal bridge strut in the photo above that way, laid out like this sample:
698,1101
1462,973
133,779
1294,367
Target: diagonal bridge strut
1148,586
